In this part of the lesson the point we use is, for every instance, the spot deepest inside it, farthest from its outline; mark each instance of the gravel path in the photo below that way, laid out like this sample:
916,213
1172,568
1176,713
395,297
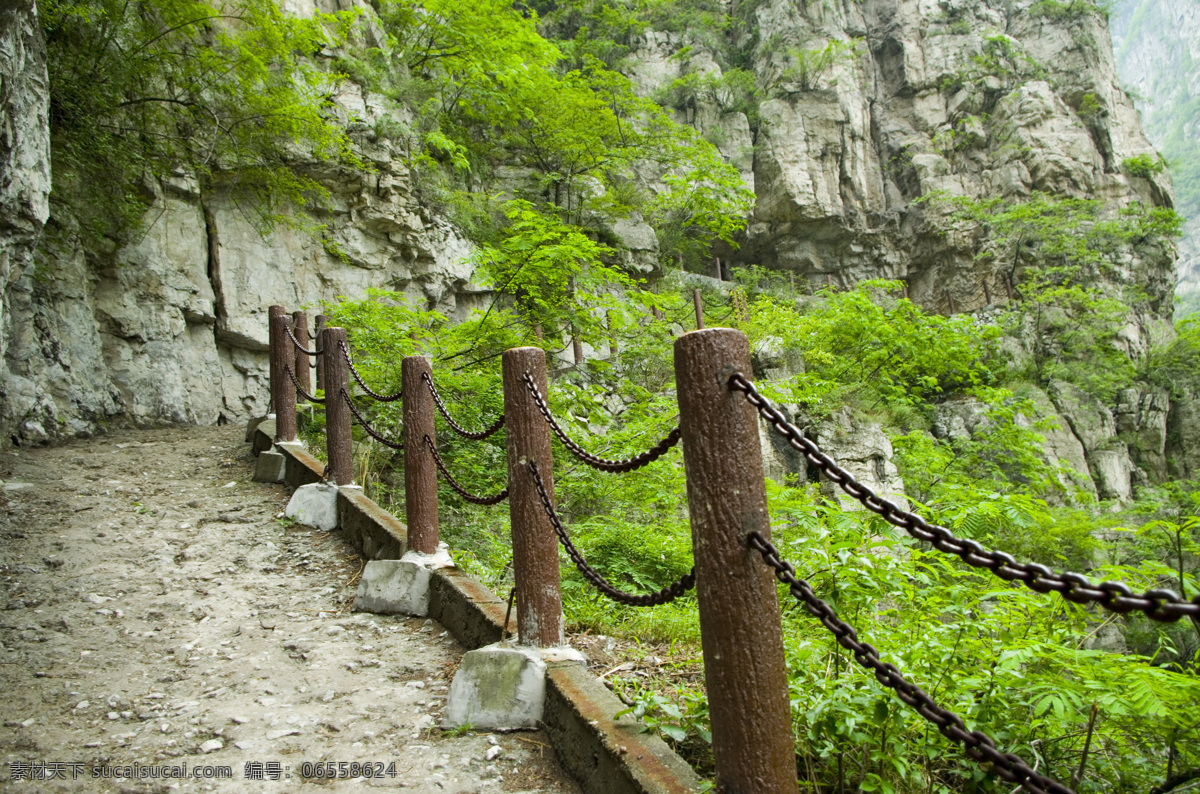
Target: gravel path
157,612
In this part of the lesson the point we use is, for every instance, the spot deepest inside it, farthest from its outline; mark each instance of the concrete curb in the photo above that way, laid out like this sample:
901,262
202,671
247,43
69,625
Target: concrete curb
604,755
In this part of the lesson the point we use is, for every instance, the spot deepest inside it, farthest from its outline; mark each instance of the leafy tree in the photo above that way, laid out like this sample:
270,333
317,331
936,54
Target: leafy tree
227,94
498,93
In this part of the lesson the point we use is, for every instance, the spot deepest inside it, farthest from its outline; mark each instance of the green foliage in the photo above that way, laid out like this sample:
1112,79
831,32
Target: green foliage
809,69
1143,165
553,271
1057,250
149,90
1067,10
1013,663
866,348
493,92
1008,661
1176,365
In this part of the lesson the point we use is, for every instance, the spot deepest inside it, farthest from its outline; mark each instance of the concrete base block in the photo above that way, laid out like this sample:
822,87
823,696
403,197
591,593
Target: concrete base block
498,687
269,466
314,505
399,586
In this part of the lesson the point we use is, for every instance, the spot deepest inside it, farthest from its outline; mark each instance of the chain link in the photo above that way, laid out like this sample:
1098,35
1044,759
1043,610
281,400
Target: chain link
453,483
603,464
1157,604
299,346
663,596
372,432
978,746
462,431
383,398
299,389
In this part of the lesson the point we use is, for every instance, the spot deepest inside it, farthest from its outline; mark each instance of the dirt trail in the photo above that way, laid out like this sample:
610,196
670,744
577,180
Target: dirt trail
157,612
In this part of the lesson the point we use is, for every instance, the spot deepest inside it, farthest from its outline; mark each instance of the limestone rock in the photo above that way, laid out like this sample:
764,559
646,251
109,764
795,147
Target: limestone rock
862,449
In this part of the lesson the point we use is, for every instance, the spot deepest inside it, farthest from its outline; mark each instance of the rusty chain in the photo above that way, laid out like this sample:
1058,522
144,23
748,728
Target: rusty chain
453,483
462,431
299,346
1157,604
372,432
603,464
979,746
663,596
383,398
300,389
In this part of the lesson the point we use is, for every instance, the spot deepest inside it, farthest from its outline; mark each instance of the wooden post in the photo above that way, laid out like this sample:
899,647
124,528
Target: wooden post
698,302
535,547
321,322
337,415
420,472
284,390
739,609
272,313
577,348
987,293
303,365
1008,284
717,264
905,286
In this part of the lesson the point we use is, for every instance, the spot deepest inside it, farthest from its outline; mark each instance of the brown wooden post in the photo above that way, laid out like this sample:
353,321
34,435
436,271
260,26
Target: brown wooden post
717,263
285,390
535,547
420,472
337,415
321,322
904,285
272,313
698,302
739,608
303,360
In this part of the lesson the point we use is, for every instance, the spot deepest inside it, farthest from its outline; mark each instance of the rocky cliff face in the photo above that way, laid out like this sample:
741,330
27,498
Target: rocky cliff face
971,97
24,166
872,104
172,326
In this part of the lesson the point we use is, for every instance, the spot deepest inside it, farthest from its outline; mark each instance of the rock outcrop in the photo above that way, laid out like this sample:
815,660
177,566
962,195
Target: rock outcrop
24,182
971,97
871,105
172,327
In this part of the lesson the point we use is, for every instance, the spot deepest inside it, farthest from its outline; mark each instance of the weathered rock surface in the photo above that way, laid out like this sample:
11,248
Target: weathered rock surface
858,445
172,327
971,98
